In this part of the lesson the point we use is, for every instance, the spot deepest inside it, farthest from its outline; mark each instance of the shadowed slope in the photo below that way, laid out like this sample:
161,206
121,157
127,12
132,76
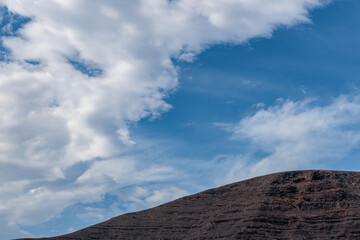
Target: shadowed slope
289,205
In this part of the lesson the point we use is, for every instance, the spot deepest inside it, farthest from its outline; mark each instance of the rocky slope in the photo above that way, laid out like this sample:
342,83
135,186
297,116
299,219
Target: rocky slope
288,205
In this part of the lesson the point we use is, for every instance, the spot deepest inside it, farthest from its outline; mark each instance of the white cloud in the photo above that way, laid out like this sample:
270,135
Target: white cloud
91,214
123,172
139,198
165,195
297,135
53,116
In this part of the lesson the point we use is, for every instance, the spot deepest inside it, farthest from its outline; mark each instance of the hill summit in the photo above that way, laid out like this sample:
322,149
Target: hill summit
310,204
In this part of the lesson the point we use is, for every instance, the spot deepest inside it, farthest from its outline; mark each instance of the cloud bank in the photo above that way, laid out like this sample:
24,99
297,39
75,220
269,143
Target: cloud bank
80,72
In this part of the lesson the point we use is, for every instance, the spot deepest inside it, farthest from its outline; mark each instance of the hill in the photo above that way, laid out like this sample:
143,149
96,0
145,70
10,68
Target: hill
309,204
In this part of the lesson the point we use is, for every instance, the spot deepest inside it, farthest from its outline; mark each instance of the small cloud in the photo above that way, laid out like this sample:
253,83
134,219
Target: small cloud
92,215
165,195
188,124
259,105
303,90
187,57
279,100
250,83
137,198
224,126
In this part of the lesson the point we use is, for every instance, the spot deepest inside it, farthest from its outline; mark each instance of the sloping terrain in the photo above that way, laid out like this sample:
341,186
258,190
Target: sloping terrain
289,205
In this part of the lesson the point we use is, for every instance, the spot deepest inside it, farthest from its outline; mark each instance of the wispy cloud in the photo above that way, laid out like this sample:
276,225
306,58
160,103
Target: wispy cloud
293,135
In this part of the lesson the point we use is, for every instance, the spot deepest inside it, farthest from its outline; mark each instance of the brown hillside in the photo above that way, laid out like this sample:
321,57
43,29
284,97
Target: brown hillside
289,205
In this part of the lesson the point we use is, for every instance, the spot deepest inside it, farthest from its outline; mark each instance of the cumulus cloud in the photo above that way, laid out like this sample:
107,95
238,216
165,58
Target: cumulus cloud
293,135
81,71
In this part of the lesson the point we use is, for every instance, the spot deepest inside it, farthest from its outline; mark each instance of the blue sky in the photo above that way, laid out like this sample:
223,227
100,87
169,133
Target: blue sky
106,108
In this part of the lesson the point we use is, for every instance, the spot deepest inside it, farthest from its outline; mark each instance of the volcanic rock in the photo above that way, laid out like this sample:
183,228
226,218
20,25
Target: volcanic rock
309,204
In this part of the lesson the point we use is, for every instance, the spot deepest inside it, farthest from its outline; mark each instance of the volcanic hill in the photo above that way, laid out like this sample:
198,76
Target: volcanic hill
309,204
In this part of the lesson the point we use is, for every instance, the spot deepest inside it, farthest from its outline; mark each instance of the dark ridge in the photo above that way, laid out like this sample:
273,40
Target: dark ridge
311,204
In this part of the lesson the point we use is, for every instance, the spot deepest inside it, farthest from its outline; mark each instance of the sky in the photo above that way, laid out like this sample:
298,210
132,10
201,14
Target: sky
109,107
